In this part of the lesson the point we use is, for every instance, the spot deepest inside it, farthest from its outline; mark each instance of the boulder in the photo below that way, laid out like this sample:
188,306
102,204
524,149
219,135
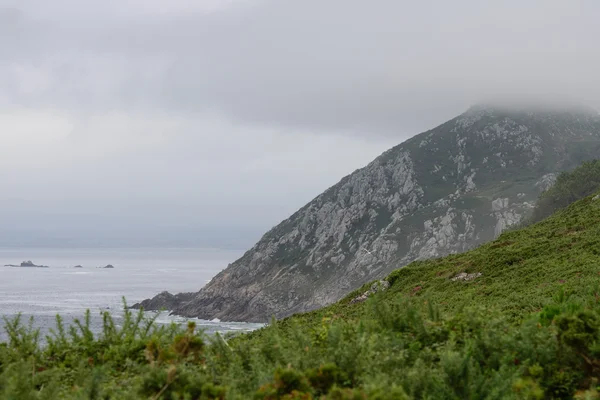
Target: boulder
463,276
378,286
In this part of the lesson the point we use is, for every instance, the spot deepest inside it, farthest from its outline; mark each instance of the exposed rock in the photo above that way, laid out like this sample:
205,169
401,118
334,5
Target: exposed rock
378,286
507,215
463,276
78,266
546,181
443,191
596,197
505,220
500,204
27,264
163,301
108,266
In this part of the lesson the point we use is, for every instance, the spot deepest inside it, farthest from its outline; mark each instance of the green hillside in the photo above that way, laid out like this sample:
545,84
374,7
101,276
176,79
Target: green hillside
526,328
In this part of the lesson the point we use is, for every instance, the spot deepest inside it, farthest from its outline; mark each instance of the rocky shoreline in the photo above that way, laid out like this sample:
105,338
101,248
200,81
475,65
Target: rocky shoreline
164,301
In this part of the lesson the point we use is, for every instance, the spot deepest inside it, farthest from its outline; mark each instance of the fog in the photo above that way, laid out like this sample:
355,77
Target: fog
207,122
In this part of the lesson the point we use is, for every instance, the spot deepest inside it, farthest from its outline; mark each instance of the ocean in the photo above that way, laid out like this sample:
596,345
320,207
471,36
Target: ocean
140,273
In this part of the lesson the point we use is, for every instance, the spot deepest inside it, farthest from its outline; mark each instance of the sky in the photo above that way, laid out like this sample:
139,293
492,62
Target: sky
207,122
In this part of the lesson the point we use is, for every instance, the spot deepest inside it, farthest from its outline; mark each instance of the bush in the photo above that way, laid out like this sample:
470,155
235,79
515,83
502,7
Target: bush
569,187
398,350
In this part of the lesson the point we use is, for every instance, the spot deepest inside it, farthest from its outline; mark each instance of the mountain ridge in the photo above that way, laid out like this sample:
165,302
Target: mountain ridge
443,191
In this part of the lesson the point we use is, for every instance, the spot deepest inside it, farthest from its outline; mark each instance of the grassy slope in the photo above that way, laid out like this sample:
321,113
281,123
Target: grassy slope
521,270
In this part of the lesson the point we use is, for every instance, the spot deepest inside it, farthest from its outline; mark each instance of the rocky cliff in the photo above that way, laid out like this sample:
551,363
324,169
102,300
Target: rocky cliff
443,191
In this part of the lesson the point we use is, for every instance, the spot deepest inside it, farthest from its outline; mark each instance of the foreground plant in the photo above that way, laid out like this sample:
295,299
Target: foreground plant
401,350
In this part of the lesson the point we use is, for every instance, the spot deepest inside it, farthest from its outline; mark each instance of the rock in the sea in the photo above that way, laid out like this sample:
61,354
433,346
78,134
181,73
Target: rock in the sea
78,266
108,266
27,264
164,301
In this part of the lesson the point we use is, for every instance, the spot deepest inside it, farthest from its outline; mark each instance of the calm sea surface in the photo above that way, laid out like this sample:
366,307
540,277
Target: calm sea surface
138,274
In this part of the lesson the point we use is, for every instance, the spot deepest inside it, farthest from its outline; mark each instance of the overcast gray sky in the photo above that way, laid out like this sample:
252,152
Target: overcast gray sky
218,118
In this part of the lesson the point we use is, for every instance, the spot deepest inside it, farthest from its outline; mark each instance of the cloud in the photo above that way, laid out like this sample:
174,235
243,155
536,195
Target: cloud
198,173
368,67
240,111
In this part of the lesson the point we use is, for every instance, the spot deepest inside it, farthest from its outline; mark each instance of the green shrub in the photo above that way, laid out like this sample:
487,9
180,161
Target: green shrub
568,188
399,350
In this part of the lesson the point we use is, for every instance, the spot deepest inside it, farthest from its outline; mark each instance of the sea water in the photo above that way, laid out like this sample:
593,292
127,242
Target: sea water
139,273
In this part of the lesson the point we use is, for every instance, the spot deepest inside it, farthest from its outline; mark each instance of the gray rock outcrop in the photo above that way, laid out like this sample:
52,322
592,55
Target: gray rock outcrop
464,277
163,301
378,286
27,264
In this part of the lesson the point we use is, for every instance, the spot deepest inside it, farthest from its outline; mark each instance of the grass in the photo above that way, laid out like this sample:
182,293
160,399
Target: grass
527,328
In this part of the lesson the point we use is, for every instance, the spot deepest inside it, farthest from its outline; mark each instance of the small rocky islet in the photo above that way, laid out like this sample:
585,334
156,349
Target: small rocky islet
26,264
30,264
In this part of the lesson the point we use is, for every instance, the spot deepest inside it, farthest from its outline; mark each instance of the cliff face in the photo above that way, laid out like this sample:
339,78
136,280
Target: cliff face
443,191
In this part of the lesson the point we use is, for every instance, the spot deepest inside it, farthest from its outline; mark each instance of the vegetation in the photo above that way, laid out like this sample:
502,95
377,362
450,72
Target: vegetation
528,327
400,352
569,187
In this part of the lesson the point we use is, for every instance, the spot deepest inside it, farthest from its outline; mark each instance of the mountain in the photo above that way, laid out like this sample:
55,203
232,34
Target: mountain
443,191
